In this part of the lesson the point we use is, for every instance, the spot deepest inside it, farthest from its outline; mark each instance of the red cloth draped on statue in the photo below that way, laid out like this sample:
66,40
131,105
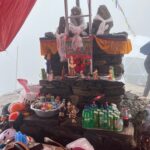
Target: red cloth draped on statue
12,16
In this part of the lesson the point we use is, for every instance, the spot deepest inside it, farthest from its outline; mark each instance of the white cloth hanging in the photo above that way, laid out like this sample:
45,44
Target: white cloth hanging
103,26
61,46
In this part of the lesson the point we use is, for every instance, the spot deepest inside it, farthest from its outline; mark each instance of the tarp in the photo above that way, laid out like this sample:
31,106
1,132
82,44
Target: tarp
12,16
145,49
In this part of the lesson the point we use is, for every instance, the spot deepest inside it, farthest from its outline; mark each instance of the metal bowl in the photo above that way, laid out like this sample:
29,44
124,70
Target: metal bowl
46,113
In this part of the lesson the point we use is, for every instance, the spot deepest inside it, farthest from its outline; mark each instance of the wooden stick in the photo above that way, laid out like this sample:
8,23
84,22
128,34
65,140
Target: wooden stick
78,16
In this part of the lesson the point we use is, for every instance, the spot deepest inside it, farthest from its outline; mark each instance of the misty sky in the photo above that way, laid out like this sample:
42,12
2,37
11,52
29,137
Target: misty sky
44,17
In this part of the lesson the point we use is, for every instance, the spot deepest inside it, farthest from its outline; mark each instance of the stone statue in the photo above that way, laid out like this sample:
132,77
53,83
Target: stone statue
102,22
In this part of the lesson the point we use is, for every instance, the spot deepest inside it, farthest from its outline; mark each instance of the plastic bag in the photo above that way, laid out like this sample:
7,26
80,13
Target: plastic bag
80,143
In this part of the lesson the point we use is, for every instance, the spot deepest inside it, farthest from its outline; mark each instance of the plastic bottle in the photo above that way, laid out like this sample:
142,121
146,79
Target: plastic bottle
91,118
43,72
106,106
119,125
101,116
96,119
110,122
115,118
18,137
85,118
105,119
125,116
24,139
52,100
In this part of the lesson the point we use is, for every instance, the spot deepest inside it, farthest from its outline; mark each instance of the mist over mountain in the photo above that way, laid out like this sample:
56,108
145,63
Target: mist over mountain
22,58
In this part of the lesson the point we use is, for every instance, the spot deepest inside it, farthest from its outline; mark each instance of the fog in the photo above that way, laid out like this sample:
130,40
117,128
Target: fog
22,58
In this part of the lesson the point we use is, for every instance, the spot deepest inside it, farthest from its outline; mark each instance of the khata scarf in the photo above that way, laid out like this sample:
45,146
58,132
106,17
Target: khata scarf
103,26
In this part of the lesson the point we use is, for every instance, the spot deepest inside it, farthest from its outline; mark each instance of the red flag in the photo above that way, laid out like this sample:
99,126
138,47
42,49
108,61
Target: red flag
24,83
12,16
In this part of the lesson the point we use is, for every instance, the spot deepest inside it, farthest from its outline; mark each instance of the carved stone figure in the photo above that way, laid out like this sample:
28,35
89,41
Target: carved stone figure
77,24
102,22
78,20
62,25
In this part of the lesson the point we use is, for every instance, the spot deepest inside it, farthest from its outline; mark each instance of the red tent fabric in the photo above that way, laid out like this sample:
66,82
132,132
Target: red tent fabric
12,16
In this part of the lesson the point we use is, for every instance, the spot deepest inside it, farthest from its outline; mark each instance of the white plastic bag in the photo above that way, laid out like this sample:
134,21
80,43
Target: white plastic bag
82,143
